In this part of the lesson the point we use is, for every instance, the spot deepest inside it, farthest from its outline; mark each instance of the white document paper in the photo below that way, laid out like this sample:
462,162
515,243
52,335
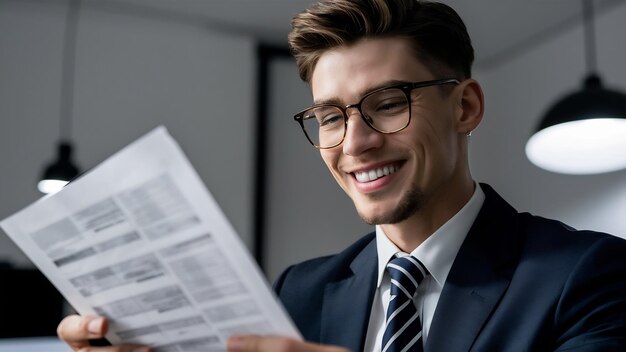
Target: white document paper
139,239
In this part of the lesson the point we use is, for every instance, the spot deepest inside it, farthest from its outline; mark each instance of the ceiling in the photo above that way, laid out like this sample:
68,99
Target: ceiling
499,28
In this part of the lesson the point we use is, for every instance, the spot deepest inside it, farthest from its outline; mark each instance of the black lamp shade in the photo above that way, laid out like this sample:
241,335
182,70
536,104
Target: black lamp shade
593,101
60,172
583,133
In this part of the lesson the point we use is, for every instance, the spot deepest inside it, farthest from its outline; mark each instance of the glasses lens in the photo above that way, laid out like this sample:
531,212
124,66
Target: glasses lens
387,110
324,125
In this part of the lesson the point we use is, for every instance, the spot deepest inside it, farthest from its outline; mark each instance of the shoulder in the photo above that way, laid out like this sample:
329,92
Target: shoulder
565,287
588,271
310,274
533,235
302,287
546,254
552,237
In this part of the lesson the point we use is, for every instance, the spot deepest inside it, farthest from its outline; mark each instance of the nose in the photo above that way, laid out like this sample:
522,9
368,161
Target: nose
359,136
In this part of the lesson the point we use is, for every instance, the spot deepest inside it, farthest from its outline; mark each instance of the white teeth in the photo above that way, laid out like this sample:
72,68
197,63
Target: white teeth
371,175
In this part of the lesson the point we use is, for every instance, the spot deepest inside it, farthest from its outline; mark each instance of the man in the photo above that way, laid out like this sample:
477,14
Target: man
394,107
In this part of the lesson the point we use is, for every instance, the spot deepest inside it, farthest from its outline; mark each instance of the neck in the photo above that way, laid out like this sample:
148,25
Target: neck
437,209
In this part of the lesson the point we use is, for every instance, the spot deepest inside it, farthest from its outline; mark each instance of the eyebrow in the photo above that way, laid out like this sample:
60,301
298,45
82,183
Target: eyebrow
337,101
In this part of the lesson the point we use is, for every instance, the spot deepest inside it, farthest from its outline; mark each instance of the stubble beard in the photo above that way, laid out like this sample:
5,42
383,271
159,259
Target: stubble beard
410,203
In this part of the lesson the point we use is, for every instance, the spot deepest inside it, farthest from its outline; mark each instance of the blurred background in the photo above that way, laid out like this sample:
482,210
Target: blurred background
218,75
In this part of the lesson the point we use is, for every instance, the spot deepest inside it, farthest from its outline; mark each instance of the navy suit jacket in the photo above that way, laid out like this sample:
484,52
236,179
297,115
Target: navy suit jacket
519,283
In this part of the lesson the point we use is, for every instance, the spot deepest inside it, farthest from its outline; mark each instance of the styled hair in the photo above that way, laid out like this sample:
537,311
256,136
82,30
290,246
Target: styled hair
437,33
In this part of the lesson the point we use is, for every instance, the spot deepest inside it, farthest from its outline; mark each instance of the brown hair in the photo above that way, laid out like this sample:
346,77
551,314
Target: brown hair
439,35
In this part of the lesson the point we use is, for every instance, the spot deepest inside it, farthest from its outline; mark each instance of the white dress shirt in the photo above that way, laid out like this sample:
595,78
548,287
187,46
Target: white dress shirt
437,253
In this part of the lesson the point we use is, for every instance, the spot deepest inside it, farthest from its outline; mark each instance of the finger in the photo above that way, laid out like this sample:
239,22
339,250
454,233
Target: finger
124,348
76,330
253,343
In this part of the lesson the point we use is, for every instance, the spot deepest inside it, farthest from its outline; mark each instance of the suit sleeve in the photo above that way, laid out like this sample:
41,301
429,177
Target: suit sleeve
278,284
591,314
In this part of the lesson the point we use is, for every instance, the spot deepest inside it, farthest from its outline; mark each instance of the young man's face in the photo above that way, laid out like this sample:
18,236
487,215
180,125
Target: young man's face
423,158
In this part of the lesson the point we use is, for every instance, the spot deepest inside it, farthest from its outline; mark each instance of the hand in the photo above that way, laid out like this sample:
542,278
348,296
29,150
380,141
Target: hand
76,330
252,343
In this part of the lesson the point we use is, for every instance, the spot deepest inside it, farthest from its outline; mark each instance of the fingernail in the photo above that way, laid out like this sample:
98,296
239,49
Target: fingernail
95,326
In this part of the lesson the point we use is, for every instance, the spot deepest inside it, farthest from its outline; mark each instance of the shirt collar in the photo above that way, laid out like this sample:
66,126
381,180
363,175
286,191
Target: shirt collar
438,251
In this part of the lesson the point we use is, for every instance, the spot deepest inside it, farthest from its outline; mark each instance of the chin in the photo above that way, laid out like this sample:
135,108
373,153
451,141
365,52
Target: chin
410,203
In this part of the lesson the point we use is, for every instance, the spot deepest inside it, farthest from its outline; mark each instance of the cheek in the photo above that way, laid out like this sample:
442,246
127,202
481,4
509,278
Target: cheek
331,159
434,144
439,132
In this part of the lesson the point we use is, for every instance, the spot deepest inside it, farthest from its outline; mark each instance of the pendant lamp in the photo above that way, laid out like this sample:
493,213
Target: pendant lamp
58,173
585,131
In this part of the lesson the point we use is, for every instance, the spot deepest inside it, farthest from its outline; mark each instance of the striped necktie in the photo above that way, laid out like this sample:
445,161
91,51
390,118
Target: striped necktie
403,331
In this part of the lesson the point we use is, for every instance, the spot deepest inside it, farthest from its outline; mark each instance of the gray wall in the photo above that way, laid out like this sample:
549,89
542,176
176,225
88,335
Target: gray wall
133,72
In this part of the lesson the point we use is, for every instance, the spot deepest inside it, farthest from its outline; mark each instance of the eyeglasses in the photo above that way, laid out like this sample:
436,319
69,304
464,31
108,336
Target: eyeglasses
386,110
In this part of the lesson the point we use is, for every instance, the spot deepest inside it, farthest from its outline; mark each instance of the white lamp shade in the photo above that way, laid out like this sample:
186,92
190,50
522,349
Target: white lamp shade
588,146
50,186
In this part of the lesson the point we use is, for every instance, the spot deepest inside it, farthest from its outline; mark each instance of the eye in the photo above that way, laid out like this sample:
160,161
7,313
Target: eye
327,117
385,103
391,106
330,119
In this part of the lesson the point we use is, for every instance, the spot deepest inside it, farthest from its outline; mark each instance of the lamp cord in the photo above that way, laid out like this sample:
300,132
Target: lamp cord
590,42
68,69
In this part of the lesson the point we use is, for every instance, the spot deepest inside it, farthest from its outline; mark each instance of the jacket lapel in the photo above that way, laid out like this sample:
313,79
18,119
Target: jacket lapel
478,278
348,302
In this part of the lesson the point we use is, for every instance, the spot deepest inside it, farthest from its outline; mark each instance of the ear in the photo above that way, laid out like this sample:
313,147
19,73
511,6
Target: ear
470,106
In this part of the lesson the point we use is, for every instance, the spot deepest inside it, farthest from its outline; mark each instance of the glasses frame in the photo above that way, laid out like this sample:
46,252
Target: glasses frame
405,87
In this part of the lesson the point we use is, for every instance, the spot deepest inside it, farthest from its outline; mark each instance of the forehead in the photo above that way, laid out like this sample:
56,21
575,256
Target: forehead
346,73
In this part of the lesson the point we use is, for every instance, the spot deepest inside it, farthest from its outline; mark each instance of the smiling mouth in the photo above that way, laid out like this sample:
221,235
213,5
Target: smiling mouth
374,174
